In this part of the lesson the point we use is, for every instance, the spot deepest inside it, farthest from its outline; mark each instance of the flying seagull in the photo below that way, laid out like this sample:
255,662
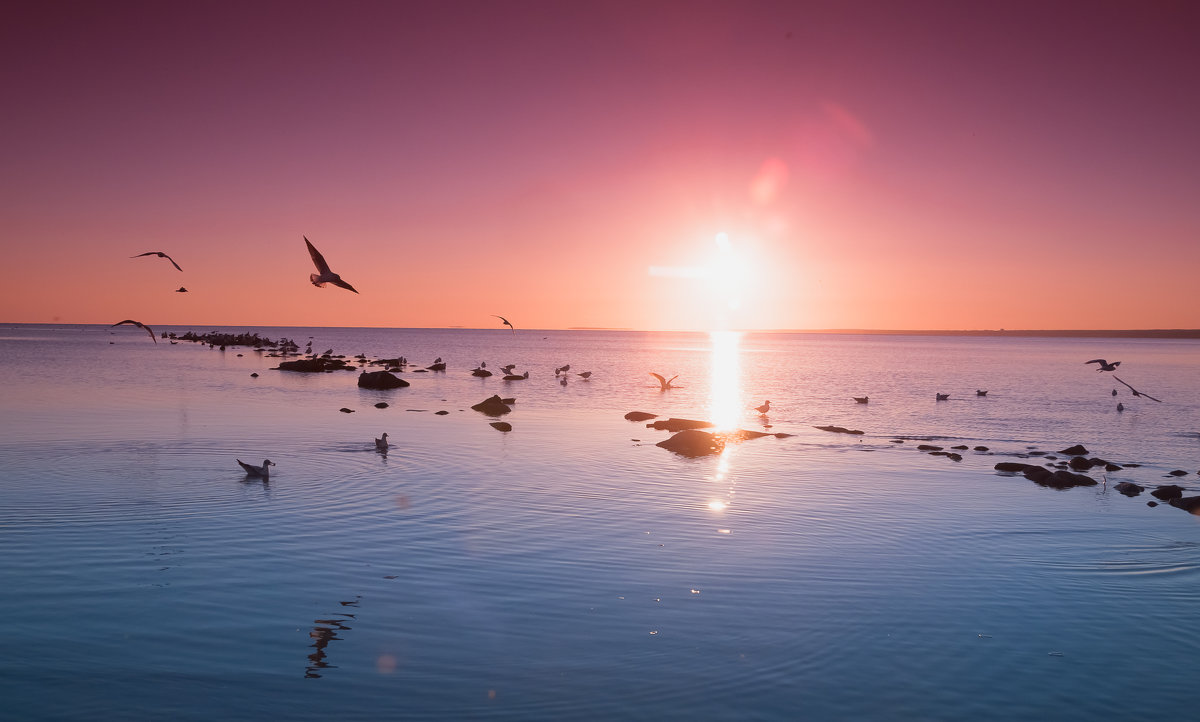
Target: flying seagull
1136,392
181,289
324,275
160,254
139,324
506,323
260,471
1104,365
665,383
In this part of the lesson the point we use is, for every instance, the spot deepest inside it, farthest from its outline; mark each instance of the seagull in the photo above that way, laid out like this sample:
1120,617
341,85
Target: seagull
324,275
665,383
381,444
508,369
585,375
139,325
160,254
1120,406
562,369
506,323
1136,392
861,399
1104,365
181,289
514,377
1114,392
980,393
762,410
259,471
942,397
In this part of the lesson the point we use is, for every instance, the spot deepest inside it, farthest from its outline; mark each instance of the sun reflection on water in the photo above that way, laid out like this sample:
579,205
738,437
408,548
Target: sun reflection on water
725,395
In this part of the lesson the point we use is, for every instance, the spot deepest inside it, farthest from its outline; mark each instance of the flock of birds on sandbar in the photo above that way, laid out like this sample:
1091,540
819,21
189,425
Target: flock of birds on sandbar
325,275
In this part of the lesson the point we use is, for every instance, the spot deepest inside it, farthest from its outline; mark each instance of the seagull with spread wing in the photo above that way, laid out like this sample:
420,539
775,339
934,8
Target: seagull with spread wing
1104,365
1136,392
664,382
139,324
324,275
506,322
160,254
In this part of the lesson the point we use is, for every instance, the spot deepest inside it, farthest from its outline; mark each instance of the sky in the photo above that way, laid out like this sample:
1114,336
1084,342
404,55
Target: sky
656,166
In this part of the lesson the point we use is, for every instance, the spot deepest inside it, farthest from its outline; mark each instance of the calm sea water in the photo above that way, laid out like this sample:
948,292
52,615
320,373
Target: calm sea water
570,569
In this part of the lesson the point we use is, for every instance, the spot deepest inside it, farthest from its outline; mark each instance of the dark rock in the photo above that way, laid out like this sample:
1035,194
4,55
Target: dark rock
1132,466
381,405
928,447
745,435
1076,450
947,454
1111,467
501,425
308,365
838,429
1190,504
640,416
981,448
380,380
254,375
1037,453
897,441
345,410
440,413
693,443
1061,479
509,401
492,406
1011,466
1167,492
781,435
481,373
674,425
960,447
1152,503
436,367
1080,463
1128,488
1177,472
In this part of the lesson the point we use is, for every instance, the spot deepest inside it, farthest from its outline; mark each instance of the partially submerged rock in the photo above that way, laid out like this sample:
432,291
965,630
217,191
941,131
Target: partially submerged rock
1076,450
1011,466
1128,488
380,380
345,410
310,365
1167,492
1060,479
501,425
1190,504
640,416
492,406
674,425
839,429
693,443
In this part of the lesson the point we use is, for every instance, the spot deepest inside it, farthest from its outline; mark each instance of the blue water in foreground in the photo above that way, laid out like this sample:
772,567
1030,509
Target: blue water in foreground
570,569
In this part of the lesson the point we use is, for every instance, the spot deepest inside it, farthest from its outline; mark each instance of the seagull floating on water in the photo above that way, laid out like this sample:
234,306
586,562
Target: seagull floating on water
942,397
1104,365
1136,392
160,254
861,399
139,325
324,275
980,393
664,383
381,444
506,323
263,472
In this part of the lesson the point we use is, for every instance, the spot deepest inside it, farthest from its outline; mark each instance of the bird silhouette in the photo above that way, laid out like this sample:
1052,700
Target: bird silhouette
861,399
980,393
664,383
506,323
139,325
262,472
160,254
942,397
381,444
1104,365
762,410
1136,392
324,275
585,375
181,289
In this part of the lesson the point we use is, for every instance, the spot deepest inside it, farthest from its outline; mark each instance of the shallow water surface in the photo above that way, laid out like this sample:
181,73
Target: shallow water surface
570,569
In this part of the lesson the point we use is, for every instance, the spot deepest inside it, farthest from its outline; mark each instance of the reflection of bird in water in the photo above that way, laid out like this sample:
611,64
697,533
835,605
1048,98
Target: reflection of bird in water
263,472
942,397
1136,392
506,323
381,444
562,380
324,275
1104,365
585,375
980,393
181,289
139,324
664,383
160,254
861,399
762,410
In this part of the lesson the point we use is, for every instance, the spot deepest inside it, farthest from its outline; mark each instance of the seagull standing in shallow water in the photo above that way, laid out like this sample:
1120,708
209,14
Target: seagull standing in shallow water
324,275
263,472
139,324
762,410
160,254
1104,365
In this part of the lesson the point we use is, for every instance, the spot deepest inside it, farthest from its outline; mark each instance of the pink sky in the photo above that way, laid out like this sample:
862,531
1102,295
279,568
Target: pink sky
935,165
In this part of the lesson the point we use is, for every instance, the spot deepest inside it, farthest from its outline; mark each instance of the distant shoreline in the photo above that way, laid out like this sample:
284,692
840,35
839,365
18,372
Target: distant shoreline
1162,333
